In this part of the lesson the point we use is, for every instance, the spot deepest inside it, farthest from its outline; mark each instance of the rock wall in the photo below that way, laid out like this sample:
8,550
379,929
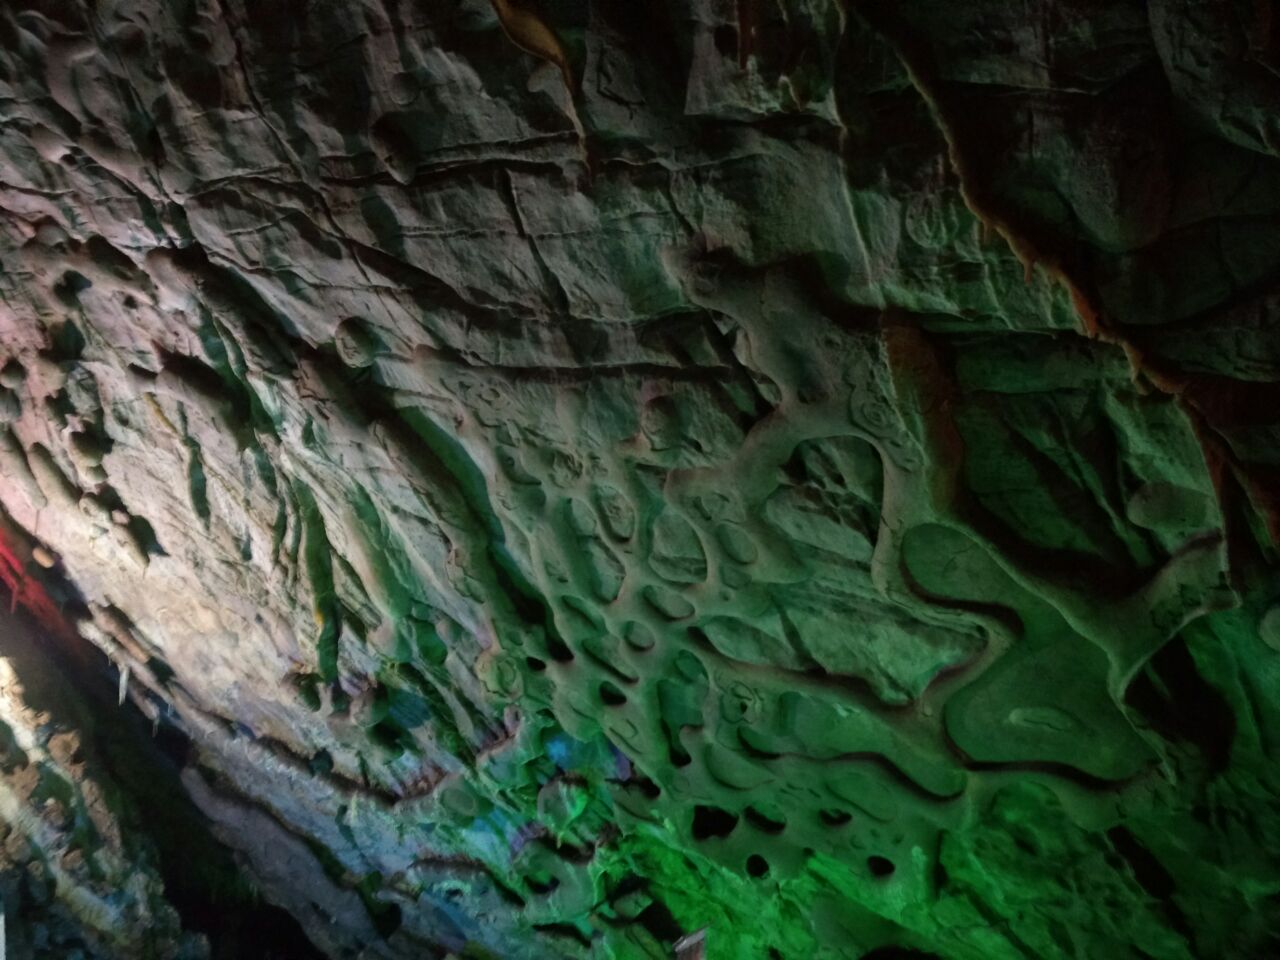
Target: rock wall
583,472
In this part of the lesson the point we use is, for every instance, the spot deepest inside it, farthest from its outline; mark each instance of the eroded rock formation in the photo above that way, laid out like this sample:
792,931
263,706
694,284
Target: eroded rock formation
576,473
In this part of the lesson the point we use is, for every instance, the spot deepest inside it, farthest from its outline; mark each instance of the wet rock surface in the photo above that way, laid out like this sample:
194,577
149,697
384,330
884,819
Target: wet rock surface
578,473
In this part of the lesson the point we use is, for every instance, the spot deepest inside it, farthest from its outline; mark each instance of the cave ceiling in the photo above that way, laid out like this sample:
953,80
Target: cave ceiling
541,480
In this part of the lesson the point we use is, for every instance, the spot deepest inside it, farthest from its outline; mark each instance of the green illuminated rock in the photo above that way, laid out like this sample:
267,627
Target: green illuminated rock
579,473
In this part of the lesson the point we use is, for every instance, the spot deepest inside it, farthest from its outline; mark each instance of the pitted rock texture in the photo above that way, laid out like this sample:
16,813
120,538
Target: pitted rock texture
582,472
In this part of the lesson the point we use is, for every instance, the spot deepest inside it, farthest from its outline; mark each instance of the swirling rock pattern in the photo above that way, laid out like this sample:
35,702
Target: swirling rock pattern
584,472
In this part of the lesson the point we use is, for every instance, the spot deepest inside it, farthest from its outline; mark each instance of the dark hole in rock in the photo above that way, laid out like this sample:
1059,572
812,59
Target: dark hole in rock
880,866
542,886
726,40
387,736
558,650
72,283
386,919
940,875
757,866
308,689
1182,706
658,919
611,696
647,787
712,822
764,822
509,896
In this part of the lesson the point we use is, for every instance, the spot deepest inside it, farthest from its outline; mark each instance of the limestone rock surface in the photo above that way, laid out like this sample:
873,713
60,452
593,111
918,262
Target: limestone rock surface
573,473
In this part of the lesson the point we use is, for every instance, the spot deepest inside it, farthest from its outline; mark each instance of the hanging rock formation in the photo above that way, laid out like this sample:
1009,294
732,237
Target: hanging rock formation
559,476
